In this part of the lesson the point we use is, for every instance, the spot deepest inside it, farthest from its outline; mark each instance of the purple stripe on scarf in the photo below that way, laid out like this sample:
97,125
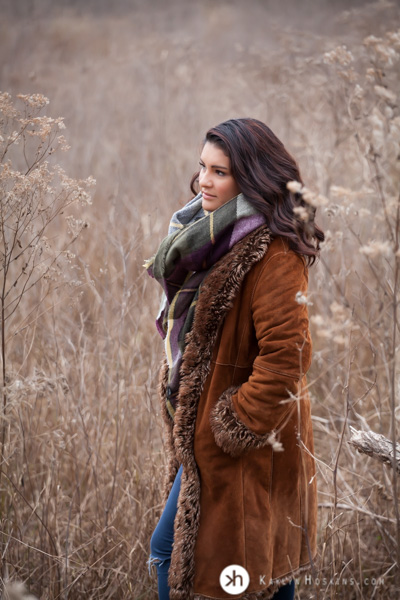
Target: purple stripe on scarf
243,226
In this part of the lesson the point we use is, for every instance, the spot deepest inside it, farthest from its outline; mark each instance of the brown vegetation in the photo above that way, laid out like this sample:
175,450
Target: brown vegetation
138,86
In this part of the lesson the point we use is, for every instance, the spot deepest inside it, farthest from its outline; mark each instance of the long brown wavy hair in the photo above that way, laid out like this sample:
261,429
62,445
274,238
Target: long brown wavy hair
262,167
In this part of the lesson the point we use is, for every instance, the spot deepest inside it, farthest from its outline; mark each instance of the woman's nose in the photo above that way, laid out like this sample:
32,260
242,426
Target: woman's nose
204,178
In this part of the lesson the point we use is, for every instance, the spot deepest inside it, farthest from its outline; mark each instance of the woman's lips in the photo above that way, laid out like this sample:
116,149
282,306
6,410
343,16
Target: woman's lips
205,195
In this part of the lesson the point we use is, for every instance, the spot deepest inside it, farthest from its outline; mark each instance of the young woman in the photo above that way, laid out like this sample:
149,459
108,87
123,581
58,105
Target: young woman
240,494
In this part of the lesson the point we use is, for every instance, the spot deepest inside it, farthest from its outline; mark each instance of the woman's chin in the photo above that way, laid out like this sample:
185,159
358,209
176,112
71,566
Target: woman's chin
208,205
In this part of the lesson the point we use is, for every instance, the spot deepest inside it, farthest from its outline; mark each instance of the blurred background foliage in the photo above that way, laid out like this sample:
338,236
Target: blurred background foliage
138,84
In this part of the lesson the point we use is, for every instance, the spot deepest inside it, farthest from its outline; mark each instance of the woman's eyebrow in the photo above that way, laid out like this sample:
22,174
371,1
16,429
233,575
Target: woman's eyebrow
216,166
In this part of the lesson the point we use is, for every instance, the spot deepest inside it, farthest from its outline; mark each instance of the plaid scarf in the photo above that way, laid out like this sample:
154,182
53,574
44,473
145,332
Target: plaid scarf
196,240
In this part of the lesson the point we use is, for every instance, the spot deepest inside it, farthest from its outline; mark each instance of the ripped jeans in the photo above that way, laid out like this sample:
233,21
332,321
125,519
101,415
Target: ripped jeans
161,546
162,539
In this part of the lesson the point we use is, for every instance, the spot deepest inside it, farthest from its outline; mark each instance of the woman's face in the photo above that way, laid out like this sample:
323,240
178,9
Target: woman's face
217,184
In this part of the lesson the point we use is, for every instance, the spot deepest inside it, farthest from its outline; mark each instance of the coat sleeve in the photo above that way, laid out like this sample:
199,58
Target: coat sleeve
249,416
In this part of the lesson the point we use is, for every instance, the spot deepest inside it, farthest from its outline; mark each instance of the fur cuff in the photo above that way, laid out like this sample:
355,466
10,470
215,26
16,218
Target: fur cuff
231,434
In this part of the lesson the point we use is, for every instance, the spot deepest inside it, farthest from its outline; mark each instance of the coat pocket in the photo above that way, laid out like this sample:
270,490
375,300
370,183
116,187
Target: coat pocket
231,434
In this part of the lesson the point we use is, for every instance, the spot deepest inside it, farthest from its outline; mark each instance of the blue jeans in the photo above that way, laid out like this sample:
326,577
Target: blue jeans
162,540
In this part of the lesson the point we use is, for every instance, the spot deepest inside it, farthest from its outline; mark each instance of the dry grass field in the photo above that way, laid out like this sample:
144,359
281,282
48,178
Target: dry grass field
138,83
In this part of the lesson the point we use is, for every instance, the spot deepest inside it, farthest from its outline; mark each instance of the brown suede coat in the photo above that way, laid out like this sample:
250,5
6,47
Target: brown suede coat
242,377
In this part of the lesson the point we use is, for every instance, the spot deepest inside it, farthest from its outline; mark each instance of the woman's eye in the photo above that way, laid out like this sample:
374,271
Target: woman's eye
220,172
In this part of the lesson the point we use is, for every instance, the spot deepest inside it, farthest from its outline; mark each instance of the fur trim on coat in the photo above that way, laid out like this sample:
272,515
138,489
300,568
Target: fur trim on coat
231,434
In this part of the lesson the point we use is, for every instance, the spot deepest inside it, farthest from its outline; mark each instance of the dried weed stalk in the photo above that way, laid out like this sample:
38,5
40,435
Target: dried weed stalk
357,324
37,230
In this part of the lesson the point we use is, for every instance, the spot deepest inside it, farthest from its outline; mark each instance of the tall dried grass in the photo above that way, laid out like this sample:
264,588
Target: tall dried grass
83,453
